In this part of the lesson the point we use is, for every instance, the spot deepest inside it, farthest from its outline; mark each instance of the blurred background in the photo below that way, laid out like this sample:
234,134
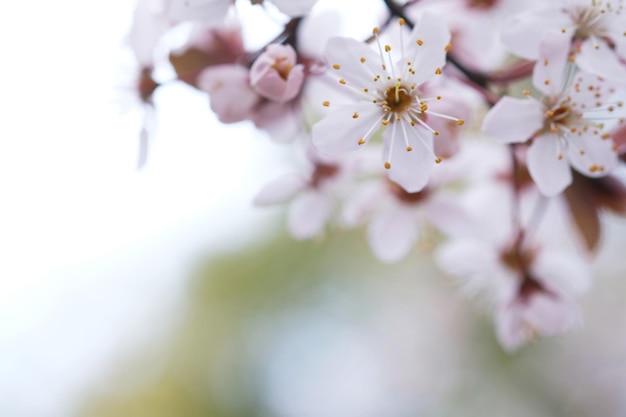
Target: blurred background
162,292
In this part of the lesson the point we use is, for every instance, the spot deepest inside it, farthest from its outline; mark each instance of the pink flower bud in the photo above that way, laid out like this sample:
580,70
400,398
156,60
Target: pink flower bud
275,75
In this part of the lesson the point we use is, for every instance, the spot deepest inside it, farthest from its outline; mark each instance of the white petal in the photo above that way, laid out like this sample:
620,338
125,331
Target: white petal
514,120
392,233
549,71
308,214
562,270
524,32
432,31
294,8
550,173
550,314
280,190
446,214
597,58
340,132
591,155
347,54
209,12
410,170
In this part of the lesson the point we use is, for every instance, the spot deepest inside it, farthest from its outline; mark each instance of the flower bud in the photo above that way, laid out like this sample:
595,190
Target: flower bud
275,74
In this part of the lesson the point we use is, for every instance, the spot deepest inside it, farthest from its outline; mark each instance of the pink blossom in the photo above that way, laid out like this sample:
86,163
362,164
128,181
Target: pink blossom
275,74
312,196
232,98
563,126
595,30
389,97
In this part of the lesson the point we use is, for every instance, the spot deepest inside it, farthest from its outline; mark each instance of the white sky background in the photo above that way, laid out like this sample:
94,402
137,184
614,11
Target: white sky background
91,250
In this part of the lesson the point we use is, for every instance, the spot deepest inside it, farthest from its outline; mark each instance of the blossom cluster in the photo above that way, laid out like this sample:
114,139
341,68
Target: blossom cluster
489,132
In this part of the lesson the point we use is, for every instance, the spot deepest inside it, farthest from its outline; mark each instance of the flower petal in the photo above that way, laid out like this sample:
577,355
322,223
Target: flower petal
549,71
548,167
514,120
597,58
427,46
591,155
308,214
392,233
340,131
353,61
280,190
410,169
525,31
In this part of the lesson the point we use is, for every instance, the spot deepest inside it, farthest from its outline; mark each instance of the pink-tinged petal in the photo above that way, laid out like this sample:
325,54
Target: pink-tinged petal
562,270
524,32
549,71
591,155
280,190
275,75
410,169
427,46
340,131
392,233
550,314
294,8
308,214
514,120
209,12
548,165
597,58
470,260
146,31
446,214
231,96
353,61
282,121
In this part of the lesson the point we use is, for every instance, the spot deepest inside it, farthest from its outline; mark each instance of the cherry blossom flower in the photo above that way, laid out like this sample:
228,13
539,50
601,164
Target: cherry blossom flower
275,74
527,277
594,28
563,126
232,97
312,196
389,97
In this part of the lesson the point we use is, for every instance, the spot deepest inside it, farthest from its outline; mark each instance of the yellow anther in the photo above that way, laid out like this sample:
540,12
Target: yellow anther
363,60
336,66
594,168
387,165
546,82
361,141
409,149
384,122
438,71
460,122
366,90
387,48
375,31
560,156
342,81
326,103
401,22
420,42
355,115
438,97
606,136
563,30
526,92
436,133
447,47
582,151
438,160
549,113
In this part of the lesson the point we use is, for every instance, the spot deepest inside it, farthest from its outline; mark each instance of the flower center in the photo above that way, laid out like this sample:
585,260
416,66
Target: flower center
282,66
481,4
397,99
588,21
